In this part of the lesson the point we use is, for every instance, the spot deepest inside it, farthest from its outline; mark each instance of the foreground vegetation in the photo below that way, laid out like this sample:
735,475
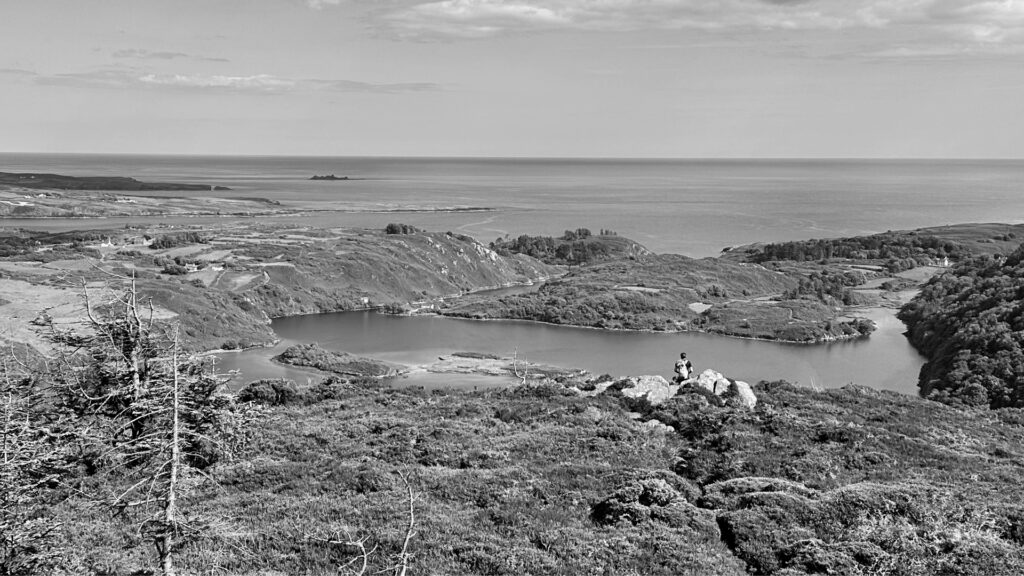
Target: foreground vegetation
537,480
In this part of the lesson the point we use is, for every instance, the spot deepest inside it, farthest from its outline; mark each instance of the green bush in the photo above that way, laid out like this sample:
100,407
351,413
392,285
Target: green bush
270,392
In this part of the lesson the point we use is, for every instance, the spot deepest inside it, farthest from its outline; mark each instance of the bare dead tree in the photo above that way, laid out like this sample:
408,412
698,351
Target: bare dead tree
154,413
405,557
364,557
515,366
344,537
32,462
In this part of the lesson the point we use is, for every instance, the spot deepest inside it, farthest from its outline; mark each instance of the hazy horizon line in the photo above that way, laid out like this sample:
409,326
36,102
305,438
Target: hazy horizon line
526,157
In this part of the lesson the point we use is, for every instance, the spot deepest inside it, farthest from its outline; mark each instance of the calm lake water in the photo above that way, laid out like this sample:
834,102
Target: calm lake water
885,360
692,207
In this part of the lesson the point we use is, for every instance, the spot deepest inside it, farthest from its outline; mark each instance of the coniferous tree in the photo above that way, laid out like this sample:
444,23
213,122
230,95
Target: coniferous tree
153,414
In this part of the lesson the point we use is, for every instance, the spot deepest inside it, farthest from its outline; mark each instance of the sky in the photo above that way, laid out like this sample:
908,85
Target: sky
552,78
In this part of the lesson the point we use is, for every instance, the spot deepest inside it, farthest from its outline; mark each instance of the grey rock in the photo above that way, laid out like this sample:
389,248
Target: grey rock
741,394
656,426
655,389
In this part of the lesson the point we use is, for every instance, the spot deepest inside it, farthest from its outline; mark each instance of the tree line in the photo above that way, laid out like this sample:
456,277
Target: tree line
969,324
901,251
574,247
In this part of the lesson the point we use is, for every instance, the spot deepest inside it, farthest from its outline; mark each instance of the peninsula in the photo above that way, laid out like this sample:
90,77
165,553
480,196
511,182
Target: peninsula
37,181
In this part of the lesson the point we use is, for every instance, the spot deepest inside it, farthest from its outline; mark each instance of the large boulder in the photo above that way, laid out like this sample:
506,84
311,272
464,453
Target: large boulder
740,394
712,381
727,493
653,389
736,392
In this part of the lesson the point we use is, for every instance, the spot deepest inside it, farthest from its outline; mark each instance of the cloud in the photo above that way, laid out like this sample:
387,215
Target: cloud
147,54
95,79
381,88
16,72
255,83
250,84
976,21
318,4
142,54
476,18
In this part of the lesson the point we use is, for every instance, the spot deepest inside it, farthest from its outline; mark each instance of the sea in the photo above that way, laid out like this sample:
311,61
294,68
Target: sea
695,207
686,206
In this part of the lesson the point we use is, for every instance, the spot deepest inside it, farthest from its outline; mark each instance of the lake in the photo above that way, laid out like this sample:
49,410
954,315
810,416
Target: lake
884,360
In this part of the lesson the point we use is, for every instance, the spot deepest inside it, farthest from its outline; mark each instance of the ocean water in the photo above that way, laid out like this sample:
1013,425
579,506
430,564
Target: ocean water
692,207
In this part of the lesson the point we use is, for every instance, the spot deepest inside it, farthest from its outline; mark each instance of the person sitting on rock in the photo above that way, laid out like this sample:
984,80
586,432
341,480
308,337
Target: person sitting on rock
683,368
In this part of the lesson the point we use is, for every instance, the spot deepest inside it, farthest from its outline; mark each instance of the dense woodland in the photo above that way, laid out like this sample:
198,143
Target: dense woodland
575,247
969,323
900,250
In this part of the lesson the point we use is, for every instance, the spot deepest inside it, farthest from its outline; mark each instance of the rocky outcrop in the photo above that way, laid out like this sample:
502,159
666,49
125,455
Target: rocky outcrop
711,381
658,426
740,393
735,392
654,389
727,493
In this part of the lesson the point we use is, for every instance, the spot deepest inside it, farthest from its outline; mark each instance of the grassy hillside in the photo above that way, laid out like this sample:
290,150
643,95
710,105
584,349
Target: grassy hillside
226,283
305,274
539,481
672,292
